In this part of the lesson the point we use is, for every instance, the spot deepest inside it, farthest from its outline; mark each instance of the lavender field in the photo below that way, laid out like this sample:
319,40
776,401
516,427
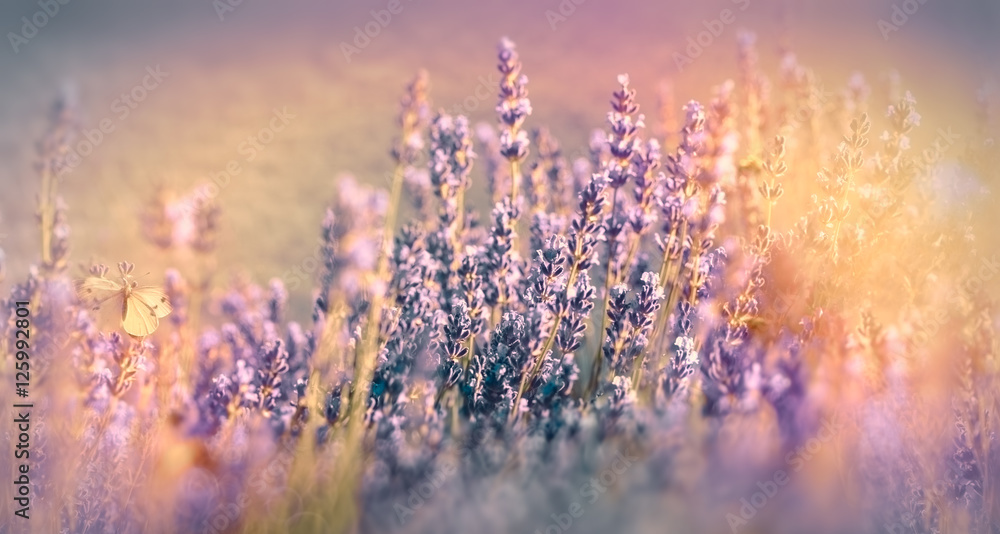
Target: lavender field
541,267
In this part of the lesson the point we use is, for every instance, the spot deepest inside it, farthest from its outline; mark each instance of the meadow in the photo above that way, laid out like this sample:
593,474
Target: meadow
771,309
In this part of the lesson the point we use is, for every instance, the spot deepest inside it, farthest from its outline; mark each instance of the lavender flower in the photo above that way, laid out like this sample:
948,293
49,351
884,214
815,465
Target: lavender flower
514,105
642,316
268,387
500,259
647,182
625,125
585,230
543,227
412,336
617,329
417,183
731,374
676,380
277,300
451,159
512,109
547,279
471,286
496,165
414,113
584,234
457,330
576,310
623,145
491,394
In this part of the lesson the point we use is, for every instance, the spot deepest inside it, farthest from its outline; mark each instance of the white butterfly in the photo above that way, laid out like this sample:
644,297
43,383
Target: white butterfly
141,307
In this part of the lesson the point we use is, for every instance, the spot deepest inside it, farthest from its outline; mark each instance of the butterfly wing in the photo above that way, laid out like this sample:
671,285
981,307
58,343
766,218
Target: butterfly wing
138,319
154,299
103,296
94,291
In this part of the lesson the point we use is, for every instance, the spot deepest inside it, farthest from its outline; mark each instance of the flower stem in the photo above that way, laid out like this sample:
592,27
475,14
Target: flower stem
515,174
610,280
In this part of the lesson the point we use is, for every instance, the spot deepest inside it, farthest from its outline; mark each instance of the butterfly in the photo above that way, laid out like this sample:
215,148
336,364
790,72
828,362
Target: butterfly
141,307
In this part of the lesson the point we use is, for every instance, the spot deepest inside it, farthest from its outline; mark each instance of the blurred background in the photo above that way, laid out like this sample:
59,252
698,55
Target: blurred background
225,71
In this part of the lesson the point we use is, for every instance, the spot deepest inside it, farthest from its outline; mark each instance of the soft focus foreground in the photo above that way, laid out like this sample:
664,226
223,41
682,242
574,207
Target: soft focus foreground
751,314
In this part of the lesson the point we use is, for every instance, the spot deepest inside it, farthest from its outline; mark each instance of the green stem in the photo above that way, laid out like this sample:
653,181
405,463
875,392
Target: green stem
366,356
46,214
459,220
515,175
670,273
364,362
667,276
637,369
695,273
470,344
609,282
